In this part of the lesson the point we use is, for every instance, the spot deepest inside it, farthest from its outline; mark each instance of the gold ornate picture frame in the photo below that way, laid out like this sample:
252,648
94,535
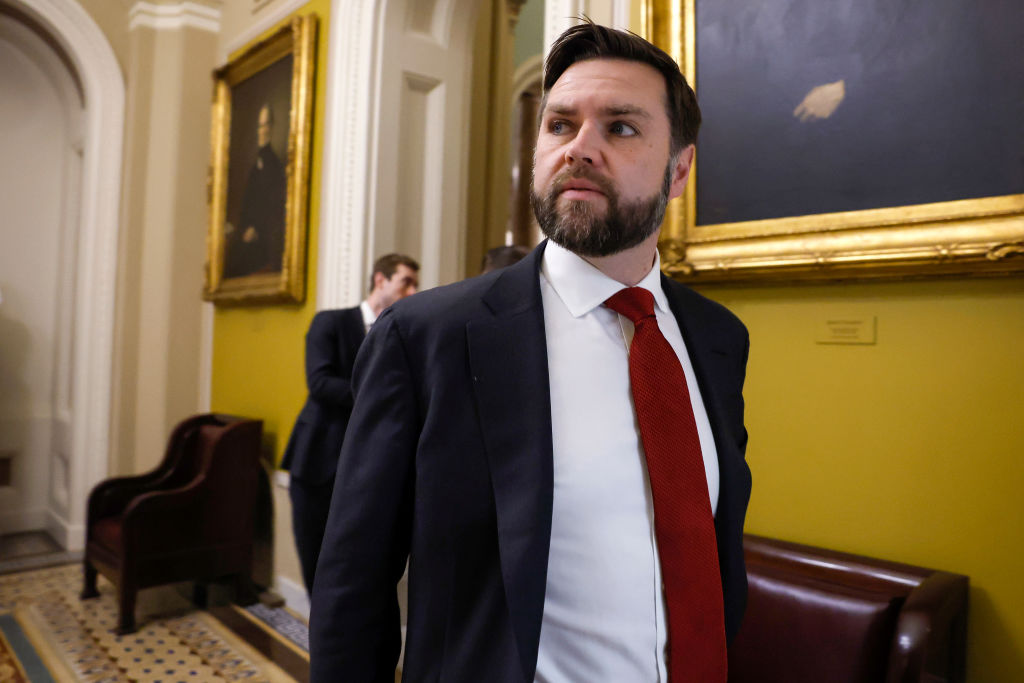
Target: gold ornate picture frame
975,236
259,170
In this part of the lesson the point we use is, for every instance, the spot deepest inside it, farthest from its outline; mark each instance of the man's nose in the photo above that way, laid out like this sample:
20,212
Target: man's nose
585,147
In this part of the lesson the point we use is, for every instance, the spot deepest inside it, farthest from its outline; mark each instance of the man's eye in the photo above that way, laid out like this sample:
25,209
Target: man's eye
622,129
558,127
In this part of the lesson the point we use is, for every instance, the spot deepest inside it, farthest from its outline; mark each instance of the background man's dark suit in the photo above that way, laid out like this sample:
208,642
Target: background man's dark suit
449,455
333,339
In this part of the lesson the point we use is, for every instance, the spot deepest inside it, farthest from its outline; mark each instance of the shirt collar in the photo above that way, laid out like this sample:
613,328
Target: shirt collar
368,317
582,287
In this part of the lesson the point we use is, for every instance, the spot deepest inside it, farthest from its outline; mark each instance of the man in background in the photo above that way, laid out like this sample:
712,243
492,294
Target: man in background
557,446
501,257
311,457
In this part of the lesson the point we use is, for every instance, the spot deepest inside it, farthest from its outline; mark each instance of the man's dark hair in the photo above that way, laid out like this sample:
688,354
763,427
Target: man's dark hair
499,257
592,41
387,264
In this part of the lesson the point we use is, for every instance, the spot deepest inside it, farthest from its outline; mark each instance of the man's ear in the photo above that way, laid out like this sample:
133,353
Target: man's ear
378,280
681,171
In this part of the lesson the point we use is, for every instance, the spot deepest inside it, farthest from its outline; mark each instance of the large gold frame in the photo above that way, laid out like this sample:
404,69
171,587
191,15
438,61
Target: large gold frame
288,286
972,236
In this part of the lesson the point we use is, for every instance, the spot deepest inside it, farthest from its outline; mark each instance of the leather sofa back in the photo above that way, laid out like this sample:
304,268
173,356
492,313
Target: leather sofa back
816,615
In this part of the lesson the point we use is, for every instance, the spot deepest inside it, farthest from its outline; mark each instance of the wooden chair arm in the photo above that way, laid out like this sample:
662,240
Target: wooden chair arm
111,497
164,518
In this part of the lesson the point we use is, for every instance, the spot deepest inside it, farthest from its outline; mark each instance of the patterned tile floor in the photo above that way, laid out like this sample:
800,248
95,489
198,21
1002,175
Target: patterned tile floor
175,642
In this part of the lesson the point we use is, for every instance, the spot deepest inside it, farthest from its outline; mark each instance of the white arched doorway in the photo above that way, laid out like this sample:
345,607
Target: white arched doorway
77,452
40,118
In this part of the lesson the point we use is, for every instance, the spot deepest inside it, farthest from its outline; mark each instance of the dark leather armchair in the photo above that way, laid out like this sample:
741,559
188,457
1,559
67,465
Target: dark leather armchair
817,615
190,519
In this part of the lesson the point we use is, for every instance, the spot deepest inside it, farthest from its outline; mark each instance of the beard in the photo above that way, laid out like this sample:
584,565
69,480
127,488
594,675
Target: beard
578,226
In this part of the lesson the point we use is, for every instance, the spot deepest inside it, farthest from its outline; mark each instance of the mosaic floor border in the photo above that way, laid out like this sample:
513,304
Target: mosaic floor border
175,642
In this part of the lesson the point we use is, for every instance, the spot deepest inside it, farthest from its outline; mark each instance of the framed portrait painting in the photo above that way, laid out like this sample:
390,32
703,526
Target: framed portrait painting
848,138
259,170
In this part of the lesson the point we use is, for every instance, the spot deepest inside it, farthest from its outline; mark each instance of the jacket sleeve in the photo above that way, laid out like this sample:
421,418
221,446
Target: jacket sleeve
324,376
354,620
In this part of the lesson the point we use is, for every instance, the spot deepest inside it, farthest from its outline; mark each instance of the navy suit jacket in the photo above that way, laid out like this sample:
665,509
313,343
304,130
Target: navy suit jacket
332,342
448,462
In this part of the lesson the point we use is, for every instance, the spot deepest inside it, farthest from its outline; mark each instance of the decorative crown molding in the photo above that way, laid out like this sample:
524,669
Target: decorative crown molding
170,17
271,17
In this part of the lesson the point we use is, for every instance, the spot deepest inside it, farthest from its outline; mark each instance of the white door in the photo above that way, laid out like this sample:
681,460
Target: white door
40,162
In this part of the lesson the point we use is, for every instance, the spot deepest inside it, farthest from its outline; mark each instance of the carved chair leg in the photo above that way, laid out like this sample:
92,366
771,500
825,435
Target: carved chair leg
200,594
126,607
89,584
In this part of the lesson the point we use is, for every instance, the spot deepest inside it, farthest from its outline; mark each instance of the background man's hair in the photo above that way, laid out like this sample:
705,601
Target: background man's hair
499,257
592,41
387,264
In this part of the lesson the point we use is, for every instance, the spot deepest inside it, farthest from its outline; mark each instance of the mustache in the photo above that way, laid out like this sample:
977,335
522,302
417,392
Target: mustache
582,173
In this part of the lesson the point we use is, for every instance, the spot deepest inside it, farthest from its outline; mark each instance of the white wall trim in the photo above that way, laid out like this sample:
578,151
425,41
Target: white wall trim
294,593
350,146
620,14
103,126
69,536
264,24
206,357
560,15
172,17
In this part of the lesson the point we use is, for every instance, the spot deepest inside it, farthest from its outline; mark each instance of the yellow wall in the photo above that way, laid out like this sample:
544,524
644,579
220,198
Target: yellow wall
258,351
909,450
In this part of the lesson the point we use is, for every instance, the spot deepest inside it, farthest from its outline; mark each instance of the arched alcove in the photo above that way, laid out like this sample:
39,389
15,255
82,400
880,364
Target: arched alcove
40,119
80,449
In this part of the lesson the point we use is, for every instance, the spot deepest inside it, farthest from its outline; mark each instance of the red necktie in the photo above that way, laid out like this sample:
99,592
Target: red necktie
683,522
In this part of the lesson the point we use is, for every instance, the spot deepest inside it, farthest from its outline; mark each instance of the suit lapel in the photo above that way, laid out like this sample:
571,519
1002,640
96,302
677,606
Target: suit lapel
508,360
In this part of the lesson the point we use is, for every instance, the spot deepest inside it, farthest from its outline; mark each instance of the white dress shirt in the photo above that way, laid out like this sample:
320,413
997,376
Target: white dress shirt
604,609
368,316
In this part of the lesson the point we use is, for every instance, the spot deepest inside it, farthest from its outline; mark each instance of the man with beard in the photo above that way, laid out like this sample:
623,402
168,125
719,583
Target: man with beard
556,447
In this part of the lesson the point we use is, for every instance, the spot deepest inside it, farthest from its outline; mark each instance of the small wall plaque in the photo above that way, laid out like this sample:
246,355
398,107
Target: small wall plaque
860,330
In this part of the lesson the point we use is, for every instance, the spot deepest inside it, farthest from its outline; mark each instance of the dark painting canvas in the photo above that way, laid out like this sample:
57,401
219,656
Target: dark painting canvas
817,106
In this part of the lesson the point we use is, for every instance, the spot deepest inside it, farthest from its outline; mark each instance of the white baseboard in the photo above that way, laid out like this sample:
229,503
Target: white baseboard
71,537
294,594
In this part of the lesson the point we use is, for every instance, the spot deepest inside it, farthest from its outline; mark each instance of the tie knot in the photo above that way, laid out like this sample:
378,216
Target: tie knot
633,302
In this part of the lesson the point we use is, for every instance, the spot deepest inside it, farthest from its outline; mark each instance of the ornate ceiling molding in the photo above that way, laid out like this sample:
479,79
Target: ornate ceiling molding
174,16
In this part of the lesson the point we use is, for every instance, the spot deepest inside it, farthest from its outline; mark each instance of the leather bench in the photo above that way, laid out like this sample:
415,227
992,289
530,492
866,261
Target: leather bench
821,616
